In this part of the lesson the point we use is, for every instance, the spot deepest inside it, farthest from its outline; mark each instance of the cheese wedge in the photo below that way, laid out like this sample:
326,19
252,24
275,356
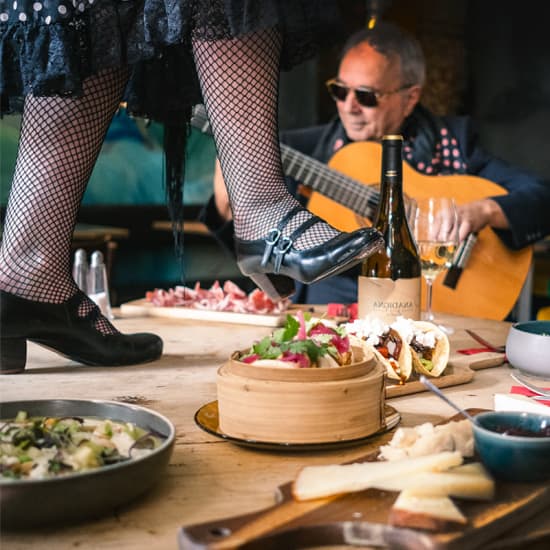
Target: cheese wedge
471,483
428,439
323,481
434,513
473,468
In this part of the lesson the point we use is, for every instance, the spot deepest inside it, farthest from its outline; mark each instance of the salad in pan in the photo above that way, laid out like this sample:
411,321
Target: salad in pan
44,447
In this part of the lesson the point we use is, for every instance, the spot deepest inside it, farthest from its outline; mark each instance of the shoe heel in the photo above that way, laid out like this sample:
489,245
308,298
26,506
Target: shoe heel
13,355
277,287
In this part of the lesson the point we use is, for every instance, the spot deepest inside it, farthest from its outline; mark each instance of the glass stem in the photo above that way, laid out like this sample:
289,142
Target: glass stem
429,314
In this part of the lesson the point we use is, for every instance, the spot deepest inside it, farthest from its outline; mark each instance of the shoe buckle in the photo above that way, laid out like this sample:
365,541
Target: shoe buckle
283,246
270,241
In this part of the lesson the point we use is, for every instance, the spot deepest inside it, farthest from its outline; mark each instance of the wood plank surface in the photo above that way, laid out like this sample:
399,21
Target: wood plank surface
208,478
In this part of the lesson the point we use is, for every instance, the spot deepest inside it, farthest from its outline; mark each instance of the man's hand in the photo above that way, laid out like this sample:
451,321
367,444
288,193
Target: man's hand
474,216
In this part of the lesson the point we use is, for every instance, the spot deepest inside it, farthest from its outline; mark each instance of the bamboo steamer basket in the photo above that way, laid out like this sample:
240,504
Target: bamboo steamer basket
293,405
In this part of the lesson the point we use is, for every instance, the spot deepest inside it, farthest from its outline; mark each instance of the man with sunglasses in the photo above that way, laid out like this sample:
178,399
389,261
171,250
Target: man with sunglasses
377,91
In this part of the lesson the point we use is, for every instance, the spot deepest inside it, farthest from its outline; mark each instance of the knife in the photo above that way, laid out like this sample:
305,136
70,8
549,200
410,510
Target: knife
483,342
352,533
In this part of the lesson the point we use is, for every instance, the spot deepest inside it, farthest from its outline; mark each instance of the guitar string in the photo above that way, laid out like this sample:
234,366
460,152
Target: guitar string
363,199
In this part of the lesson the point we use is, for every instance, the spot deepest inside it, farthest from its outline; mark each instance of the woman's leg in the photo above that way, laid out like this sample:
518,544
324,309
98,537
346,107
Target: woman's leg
59,143
239,82
239,79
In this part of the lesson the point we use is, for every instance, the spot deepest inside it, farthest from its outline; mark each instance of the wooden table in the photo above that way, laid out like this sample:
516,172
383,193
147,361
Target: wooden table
208,478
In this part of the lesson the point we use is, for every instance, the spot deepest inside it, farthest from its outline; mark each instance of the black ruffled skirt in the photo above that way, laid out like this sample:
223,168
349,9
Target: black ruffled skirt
49,47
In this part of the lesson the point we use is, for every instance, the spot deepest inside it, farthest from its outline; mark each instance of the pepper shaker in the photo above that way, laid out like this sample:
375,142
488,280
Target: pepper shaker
98,288
80,270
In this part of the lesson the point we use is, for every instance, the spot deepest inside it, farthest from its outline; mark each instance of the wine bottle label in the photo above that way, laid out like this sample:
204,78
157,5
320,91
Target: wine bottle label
388,299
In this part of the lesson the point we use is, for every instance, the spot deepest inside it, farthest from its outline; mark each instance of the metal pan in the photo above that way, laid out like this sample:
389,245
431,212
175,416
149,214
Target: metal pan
85,495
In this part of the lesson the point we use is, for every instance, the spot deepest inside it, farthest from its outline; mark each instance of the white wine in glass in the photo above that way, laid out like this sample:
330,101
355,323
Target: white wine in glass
436,234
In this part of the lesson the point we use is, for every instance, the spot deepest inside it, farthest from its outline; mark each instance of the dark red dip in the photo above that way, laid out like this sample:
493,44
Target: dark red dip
522,432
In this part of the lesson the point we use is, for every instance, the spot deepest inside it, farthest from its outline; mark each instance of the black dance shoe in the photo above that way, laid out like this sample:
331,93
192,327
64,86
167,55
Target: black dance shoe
59,327
273,262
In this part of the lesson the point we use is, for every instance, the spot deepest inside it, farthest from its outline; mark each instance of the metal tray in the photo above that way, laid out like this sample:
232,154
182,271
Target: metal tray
83,495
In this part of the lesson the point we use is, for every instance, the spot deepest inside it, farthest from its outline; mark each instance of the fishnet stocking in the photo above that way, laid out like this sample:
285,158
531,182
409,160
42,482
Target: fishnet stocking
59,143
239,80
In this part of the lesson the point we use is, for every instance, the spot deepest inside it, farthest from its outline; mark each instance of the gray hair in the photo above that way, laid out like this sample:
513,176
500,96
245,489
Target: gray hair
391,41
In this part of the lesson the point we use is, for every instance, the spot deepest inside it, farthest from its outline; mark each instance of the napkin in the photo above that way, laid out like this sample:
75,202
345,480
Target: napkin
522,390
349,311
474,351
518,400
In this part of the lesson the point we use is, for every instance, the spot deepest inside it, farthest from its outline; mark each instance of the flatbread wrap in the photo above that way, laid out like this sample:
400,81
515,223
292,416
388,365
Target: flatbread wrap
429,345
387,343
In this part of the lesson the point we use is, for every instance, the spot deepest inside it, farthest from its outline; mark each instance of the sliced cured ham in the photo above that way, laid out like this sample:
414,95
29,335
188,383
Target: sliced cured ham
227,297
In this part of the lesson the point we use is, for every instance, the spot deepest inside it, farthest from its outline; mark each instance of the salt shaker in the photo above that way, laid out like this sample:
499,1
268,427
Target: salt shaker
80,270
98,288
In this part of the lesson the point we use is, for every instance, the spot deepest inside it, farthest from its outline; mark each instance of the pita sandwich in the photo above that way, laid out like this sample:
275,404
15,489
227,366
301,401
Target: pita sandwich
429,345
387,343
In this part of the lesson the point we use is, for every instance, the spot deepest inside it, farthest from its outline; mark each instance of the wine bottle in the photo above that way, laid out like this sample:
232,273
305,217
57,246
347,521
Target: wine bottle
390,280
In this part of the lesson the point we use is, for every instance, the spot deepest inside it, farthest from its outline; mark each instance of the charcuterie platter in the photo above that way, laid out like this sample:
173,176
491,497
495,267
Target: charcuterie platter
142,307
221,303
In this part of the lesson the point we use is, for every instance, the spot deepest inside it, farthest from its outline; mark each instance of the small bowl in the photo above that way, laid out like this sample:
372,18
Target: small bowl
528,347
513,457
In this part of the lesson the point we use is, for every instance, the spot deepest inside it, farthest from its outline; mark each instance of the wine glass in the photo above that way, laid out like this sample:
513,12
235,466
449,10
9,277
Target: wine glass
435,229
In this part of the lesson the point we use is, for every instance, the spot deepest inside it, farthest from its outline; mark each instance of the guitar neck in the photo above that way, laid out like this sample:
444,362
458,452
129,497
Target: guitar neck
332,184
314,174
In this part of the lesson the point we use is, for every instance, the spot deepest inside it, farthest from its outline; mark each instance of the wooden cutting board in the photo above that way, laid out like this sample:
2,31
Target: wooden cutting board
452,376
142,307
339,520
477,361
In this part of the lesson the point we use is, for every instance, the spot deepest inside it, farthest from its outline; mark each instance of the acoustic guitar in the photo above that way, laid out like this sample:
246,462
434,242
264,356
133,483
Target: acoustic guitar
345,194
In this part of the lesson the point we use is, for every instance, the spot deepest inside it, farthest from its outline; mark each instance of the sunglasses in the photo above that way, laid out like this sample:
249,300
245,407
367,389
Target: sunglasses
366,97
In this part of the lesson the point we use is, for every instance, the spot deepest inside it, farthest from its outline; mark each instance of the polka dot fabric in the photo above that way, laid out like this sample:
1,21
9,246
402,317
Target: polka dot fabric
45,11
49,47
446,157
